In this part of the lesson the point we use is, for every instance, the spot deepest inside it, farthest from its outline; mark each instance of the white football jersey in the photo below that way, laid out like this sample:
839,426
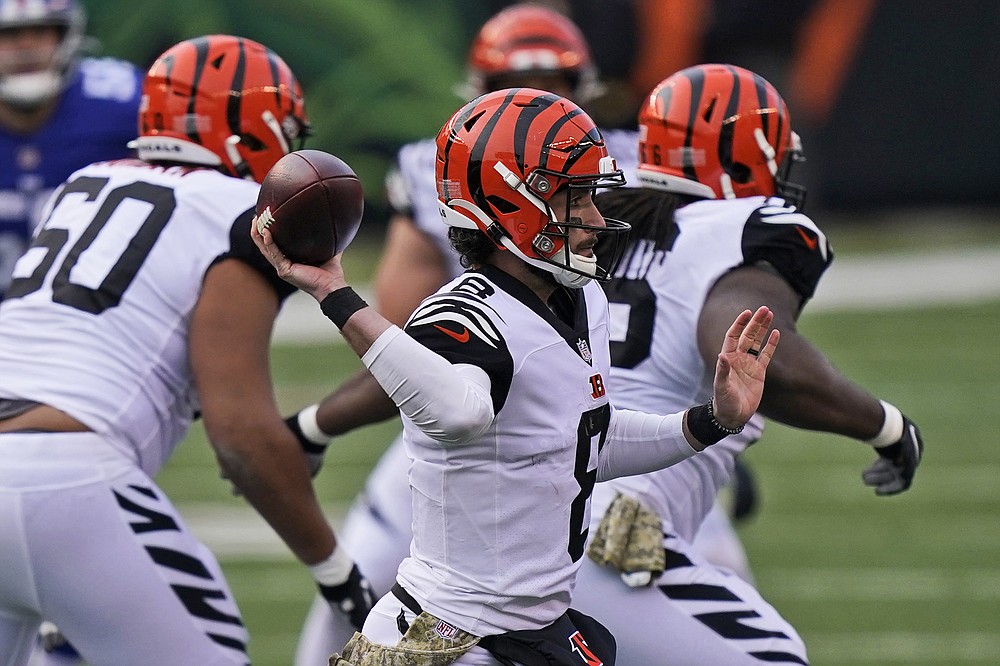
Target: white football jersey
95,322
655,303
411,188
497,544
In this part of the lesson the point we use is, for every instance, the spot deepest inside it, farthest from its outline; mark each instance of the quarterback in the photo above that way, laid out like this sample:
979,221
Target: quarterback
500,379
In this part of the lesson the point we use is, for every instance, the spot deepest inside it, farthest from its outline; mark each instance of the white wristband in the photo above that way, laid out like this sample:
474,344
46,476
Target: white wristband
310,426
892,427
334,570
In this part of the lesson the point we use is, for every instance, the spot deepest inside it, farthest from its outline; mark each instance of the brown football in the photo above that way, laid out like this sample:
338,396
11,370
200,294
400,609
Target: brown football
312,202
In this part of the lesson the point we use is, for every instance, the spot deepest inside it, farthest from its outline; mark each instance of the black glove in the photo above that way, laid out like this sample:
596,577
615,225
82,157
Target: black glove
893,470
313,448
353,597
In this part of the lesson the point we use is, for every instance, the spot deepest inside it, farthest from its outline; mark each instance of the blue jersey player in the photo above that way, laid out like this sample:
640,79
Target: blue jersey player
58,112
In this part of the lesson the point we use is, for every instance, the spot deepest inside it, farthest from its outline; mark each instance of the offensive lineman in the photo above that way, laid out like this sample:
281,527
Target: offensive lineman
500,380
140,305
717,228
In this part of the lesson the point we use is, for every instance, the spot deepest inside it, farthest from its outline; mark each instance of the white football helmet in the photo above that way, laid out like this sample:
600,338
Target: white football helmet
30,77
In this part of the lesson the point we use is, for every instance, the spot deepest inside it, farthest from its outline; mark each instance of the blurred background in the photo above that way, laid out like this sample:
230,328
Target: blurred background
896,102
898,106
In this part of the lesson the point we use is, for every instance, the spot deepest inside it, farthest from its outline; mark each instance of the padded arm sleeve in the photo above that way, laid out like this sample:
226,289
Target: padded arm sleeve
448,403
639,442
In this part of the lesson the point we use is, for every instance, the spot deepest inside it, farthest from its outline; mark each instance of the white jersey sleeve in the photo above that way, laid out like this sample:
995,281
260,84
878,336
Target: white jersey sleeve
96,320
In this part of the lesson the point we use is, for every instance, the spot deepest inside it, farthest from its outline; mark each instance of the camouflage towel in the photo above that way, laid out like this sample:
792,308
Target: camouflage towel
629,538
429,641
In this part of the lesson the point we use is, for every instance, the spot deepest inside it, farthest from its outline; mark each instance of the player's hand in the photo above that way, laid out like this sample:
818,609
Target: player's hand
313,441
317,281
893,470
354,597
739,372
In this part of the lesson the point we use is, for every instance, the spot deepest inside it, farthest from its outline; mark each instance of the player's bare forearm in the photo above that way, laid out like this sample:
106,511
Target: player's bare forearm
229,339
804,390
358,402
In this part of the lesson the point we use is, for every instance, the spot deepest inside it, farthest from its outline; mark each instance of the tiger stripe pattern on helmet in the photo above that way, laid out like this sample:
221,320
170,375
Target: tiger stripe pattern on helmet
716,131
203,92
503,157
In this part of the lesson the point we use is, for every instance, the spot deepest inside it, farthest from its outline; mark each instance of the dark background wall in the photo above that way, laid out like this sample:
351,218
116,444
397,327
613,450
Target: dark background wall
901,112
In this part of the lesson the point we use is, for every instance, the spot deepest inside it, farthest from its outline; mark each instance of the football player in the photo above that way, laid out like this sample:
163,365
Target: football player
58,112
718,227
522,45
139,305
500,380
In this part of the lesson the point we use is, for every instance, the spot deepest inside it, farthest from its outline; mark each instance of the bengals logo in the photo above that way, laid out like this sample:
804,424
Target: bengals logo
579,646
597,389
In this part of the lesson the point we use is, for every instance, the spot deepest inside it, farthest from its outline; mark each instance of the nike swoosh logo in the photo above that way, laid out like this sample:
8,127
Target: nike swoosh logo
462,337
811,243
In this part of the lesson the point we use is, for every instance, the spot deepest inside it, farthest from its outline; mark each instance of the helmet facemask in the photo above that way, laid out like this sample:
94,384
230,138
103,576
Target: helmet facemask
552,246
793,193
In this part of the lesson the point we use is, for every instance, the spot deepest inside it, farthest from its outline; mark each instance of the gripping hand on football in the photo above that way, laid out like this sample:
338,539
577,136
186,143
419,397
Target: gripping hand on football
893,470
344,587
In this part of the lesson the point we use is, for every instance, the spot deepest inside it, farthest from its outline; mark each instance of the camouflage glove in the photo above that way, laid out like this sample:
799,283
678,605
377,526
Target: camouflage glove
893,470
311,438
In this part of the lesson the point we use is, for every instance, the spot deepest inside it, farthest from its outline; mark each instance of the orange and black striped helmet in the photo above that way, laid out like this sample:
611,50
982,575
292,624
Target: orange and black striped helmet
221,101
529,40
503,157
718,131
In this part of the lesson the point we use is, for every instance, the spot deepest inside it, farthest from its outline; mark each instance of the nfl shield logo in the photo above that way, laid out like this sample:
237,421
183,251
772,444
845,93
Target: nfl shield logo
445,630
584,348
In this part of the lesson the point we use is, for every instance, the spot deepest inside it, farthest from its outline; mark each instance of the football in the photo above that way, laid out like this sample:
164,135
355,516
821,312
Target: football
312,202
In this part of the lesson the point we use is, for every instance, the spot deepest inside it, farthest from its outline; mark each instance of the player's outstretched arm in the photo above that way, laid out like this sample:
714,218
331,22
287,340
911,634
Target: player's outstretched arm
804,389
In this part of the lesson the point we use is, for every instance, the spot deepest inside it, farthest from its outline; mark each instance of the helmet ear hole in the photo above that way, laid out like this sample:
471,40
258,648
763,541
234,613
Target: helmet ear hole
502,205
739,172
252,143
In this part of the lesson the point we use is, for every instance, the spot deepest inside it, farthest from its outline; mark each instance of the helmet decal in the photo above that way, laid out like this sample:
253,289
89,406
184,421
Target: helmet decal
717,131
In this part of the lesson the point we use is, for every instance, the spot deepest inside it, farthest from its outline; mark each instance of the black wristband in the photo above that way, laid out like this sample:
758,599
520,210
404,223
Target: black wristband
339,305
706,429
307,444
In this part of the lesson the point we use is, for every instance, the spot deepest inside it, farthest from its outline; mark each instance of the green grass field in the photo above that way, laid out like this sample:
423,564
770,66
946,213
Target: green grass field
913,579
